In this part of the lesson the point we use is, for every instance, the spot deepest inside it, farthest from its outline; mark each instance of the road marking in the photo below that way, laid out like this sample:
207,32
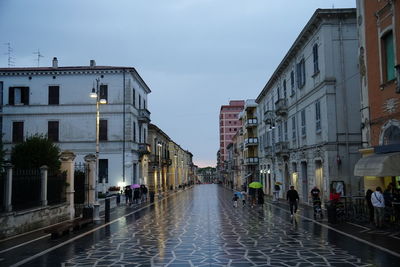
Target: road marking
341,232
87,233
366,228
25,243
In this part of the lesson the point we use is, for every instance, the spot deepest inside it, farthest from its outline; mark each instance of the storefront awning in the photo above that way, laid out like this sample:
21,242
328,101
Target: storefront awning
379,165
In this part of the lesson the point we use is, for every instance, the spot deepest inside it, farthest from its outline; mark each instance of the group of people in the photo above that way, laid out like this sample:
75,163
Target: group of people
136,195
255,196
382,205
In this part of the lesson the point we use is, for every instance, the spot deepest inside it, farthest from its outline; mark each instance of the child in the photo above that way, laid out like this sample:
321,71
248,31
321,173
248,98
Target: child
235,199
243,196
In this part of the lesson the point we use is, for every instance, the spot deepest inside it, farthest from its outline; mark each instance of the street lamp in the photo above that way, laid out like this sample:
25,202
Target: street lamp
96,94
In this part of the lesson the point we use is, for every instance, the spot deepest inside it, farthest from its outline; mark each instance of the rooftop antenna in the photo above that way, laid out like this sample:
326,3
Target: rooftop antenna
10,59
39,55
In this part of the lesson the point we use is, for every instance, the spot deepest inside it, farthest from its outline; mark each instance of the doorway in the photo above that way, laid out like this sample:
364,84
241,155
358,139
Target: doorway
319,178
304,181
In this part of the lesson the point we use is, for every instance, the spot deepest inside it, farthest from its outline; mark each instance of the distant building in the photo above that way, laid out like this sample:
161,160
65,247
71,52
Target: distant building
55,101
309,110
379,57
229,124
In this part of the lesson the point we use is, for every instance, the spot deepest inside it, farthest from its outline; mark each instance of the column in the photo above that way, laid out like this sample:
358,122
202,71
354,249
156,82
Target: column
43,176
90,160
8,188
68,164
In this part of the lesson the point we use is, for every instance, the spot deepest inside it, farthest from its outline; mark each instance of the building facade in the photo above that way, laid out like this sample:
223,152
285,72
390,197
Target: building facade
309,110
379,57
229,124
55,101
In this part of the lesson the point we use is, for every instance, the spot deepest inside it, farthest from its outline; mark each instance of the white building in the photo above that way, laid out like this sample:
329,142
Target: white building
310,108
55,101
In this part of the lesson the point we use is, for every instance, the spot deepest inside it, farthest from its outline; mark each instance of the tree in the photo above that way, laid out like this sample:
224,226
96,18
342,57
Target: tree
34,152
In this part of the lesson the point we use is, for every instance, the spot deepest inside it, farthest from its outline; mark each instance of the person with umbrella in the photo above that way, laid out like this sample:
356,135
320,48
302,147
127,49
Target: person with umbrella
253,190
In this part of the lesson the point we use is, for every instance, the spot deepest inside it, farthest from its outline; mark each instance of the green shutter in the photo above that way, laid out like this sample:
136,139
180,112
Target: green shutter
389,53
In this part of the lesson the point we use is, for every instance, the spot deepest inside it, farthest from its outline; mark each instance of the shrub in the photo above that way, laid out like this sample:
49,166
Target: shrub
34,152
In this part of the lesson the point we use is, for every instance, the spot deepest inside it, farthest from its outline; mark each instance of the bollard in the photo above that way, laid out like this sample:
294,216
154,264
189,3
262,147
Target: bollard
151,196
118,198
107,210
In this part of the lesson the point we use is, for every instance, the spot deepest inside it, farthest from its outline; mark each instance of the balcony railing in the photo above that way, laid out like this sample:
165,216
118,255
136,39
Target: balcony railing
143,149
251,161
253,122
282,148
251,141
281,108
144,115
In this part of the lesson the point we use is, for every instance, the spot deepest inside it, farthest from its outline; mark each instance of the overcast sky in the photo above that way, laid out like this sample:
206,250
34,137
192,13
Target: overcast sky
195,55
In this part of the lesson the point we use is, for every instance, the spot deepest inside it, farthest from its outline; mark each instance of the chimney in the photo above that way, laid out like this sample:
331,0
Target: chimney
55,62
92,63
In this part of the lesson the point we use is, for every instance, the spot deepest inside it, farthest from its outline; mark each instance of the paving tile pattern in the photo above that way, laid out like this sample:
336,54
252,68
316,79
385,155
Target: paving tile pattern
200,227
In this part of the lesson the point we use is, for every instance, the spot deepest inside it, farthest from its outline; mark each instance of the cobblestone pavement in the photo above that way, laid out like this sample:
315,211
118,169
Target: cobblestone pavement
200,227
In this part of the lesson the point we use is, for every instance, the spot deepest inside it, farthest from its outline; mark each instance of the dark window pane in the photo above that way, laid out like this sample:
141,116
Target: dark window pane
389,56
103,130
103,170
53,131
54,95
18,132
104,92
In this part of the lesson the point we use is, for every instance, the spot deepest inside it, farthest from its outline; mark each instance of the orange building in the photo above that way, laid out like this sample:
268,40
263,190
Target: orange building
379,59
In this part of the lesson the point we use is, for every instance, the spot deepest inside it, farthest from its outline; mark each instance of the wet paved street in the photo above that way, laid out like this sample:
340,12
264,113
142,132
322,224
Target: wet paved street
200,227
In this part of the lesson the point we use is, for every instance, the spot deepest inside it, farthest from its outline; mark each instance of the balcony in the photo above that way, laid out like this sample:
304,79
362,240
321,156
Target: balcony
268,117
251,141
143,149
281,108
144,116
251,161
241,131
253,122
282,148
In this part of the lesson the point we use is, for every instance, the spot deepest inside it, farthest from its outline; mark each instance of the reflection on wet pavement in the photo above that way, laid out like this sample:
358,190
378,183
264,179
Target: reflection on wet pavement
200,227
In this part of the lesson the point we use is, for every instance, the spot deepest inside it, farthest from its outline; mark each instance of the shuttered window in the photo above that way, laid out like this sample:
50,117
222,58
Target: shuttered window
54,95
388,56
53,131
18,96
103,130
18,132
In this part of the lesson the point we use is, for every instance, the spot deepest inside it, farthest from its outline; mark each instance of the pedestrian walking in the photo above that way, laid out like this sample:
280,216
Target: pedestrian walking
292,196
143,193
378,202
368,196
235,200
252,195
243,197
136,195
277,188
260,197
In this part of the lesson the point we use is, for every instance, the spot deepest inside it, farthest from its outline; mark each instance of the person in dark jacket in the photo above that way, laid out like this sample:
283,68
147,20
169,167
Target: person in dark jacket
292,196
369,205
260,197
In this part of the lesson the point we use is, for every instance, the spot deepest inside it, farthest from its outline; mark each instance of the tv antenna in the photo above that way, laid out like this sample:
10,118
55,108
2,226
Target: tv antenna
39,55
10,59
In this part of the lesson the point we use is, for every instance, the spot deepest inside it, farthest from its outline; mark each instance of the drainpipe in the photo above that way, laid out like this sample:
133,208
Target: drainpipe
344,99
123,129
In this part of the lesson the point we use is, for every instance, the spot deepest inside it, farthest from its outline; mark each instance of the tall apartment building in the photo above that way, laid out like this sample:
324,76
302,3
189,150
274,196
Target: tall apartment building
229,124
55,101
379,57
309,110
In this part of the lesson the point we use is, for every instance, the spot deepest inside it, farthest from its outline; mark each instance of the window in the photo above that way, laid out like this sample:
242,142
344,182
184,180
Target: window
103,170
388,56
54,95
285,131
18,132
303,123
103,130
301,74
144,104
279,133
18,96
140,133
134,97
294,129
140,101
318,116
315,58
391,135
104,92
134,131
292,82
53,130
284,89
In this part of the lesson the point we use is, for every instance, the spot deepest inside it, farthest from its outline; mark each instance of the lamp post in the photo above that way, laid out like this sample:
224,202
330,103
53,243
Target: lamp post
96,94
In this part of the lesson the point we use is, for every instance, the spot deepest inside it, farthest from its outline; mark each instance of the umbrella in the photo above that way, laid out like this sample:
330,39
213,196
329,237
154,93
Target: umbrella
255,185
278,183
135,186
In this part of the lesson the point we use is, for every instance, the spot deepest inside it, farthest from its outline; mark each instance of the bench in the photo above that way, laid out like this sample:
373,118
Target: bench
66,227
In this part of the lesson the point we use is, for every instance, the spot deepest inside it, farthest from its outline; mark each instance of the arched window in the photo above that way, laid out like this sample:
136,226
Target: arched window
391,135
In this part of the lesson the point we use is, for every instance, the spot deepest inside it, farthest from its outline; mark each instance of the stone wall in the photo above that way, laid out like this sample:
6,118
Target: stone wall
17,222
